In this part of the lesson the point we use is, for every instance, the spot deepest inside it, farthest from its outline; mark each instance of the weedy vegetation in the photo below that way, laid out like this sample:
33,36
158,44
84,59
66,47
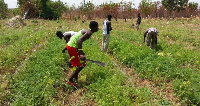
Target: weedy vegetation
34,70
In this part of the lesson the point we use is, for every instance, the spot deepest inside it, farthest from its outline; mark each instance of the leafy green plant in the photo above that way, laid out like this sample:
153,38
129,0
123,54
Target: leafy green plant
41,78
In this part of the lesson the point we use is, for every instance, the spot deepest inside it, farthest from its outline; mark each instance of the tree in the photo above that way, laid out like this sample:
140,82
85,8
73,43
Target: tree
4,9
34,6
46,9
110,8
129,5
161,10
114,10
30,7
157,7
105,9
71,11
87,8
147,7
59,7
126,9
192,7
175,5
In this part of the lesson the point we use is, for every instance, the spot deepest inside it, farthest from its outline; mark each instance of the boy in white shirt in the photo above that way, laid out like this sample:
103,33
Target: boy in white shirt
152,34
66,36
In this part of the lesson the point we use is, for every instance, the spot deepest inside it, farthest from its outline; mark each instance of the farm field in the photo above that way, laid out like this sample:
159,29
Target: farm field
33,70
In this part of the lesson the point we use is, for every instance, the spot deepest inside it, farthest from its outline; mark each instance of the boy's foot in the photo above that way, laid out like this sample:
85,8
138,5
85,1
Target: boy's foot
72,84
69,64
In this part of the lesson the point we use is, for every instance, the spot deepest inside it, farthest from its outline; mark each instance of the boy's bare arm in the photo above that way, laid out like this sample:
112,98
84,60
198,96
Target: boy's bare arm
63,51
109,25
84,37
67,36
145,33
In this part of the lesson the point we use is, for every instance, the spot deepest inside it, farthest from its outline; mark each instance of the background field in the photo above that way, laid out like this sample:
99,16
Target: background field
34,70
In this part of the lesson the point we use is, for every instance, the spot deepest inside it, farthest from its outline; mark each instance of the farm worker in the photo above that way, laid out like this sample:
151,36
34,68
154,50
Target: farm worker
106,33
66,36
138,21
152,34
75,51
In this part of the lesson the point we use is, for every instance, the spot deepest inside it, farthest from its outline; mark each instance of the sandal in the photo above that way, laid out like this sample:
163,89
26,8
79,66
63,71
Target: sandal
72,84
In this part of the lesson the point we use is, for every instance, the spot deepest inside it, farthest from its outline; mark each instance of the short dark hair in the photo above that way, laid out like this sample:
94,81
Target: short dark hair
59,33
93,24
109,16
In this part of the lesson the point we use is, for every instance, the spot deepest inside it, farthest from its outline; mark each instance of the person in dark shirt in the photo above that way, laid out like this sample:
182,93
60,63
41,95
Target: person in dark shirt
138,21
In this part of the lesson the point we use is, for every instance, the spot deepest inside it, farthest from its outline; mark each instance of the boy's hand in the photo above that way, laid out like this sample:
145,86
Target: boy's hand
63,51
82,57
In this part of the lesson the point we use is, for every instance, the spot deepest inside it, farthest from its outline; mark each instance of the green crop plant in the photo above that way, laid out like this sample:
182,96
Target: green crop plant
43,71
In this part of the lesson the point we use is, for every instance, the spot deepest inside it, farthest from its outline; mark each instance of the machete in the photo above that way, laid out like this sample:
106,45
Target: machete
97,62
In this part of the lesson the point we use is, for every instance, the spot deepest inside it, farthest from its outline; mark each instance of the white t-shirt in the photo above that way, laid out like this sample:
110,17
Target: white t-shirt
105,27
152,30
71,32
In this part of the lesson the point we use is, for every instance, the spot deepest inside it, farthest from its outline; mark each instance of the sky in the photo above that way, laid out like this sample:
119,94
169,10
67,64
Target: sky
13,3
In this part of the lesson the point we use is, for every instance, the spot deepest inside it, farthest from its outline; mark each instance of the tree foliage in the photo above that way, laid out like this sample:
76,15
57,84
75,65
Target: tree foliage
46,9
175,5
110,8
4,9
126,8
87,8
193,6
146,6
30,6
53,9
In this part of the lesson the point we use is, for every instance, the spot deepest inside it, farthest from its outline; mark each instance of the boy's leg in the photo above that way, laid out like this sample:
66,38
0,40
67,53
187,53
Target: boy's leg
138,27
103,42
148,39
153,41
156,41
74,58
75,73
107,42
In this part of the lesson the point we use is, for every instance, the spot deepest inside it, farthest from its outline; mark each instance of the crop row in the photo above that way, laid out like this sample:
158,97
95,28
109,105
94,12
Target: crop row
166,64
39,81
